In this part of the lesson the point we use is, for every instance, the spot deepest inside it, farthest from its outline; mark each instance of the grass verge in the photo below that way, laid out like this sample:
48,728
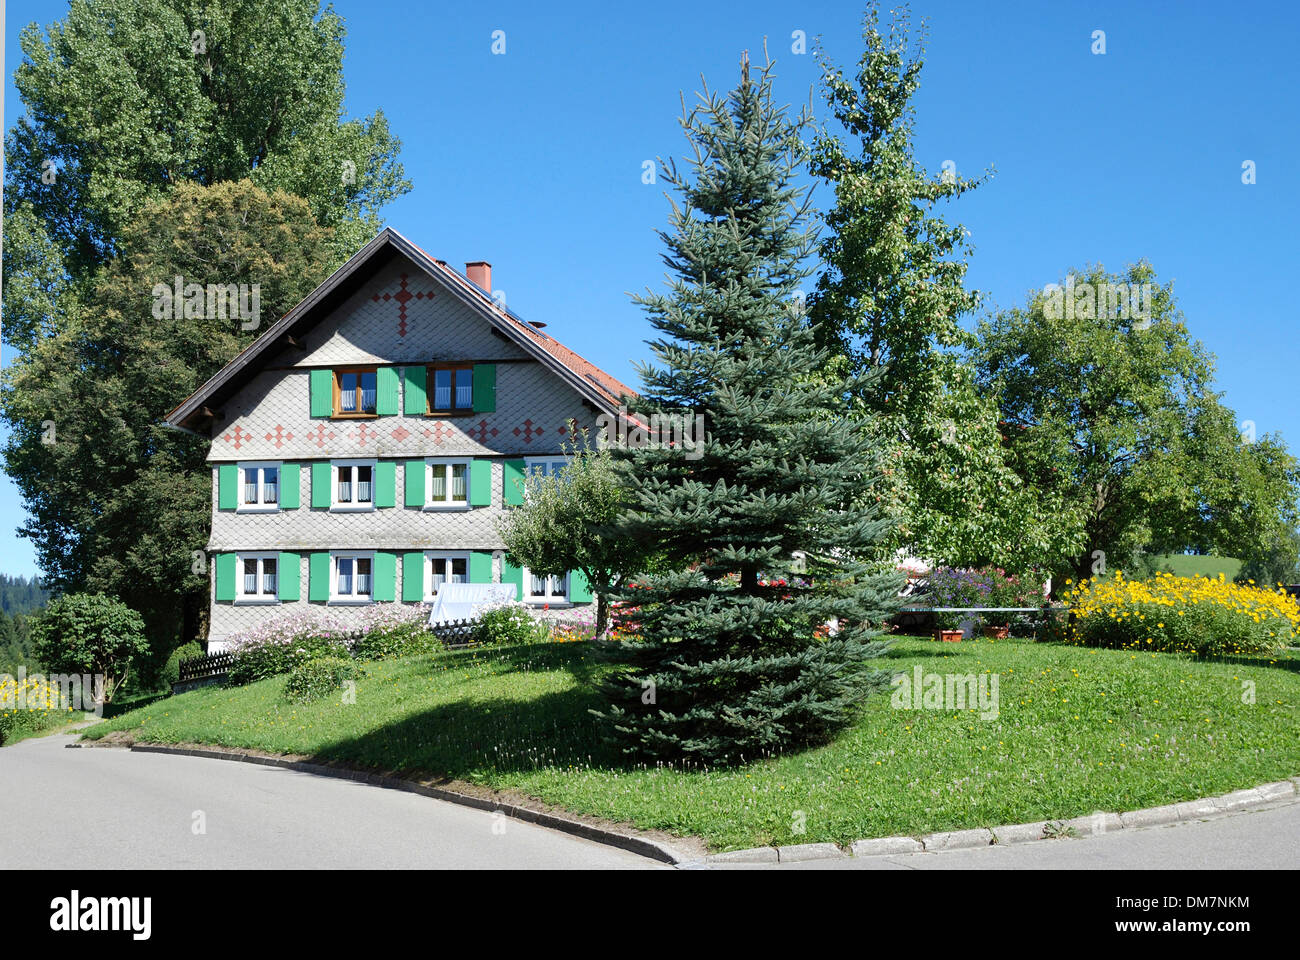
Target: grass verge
1078,730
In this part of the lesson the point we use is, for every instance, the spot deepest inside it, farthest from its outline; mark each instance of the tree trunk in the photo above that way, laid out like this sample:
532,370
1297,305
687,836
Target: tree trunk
602,615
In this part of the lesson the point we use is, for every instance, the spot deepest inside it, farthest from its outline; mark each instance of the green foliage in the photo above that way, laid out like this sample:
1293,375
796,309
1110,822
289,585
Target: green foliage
509,624
890,301
90,633
128,103
1112,416
568,522
257,661
117,503
724,660
171,672
396,640
319,677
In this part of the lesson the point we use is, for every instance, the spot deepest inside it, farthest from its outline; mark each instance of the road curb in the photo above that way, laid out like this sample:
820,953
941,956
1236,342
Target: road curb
643,846
1094,825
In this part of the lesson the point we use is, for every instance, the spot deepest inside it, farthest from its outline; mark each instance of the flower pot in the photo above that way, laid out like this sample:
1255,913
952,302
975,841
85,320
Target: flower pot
948,636
997,633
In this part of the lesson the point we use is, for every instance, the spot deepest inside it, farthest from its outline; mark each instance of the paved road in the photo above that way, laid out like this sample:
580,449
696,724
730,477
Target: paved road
108,809
1264,839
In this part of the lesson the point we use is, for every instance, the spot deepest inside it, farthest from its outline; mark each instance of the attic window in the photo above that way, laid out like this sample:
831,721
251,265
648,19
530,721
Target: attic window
354,392
451,389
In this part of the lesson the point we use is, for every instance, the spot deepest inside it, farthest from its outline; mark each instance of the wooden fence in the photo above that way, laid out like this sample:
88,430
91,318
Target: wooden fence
212,667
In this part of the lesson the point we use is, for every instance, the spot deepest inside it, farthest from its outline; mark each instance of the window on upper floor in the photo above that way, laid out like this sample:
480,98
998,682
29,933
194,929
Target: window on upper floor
259,487
448,484
354,485
355,392
451,388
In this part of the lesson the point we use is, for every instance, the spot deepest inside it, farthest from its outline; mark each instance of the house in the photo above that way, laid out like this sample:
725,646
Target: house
364,447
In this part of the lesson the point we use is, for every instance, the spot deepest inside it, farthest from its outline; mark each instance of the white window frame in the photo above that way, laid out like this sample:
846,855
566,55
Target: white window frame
530,462
430,463
337,506
260,507
429,557
257,598
549,599
352,599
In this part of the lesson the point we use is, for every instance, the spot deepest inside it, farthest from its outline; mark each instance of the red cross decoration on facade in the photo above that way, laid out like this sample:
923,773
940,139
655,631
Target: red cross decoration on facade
570,424
529,431
363,433
280,436
439,431
238,437
400,434
320,435
481,432
403,297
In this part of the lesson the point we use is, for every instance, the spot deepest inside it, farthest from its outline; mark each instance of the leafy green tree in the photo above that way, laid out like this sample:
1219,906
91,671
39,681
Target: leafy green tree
127,99
568,522
727,662
890,301
1109,407
90,633
118,504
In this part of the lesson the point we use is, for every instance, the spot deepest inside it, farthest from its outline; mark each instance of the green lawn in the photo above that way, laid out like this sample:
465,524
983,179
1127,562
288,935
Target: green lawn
1188,565
1079,730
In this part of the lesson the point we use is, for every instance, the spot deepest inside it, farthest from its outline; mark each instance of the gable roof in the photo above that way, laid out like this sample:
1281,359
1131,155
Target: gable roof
592,384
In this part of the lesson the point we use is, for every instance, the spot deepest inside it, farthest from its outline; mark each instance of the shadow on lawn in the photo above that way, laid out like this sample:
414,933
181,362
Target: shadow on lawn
481,736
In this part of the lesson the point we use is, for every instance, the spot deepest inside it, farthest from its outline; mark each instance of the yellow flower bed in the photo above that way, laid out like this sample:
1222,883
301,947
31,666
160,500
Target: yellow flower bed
1188,614
28,705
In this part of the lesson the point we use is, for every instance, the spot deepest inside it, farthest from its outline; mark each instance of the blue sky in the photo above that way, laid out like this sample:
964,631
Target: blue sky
533,159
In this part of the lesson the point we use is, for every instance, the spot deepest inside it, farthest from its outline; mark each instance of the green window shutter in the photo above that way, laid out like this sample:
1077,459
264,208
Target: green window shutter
385,586
512,482
225,564
480,566
480,483
485,388
515,575
413,577
318,577
320,484
414,483
289,490
386,392
386,483
414,403
227,486
289,577
322,393
579,587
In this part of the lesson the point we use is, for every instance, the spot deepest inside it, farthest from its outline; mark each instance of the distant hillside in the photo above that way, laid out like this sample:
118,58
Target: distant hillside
1189,565
21,594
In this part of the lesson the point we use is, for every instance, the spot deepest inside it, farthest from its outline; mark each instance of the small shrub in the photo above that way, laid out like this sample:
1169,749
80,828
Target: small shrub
90,633
387,631
280,645
509,623
171,671
320,677
1198,615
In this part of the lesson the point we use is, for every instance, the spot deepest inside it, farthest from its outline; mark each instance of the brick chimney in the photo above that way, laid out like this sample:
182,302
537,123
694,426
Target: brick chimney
480,272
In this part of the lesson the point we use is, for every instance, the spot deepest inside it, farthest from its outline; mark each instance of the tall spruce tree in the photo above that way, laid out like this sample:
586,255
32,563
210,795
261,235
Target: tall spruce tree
726,662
